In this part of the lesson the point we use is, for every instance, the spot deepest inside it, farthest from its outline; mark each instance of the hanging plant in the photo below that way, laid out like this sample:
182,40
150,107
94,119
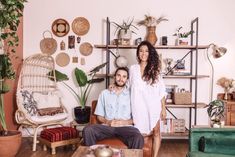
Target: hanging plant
10,13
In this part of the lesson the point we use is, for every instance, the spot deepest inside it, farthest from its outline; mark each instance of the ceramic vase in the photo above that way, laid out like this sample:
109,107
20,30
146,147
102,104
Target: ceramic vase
151,35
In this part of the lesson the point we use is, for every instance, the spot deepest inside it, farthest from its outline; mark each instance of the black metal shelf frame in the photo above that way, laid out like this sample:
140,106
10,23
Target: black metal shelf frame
192,51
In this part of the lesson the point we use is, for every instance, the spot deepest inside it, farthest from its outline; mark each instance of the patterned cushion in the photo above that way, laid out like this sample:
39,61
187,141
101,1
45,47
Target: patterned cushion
29,103
50,111
59,134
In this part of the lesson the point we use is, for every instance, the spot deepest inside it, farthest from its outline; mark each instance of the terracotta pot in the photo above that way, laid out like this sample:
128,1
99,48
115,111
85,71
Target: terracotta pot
10,144
151,35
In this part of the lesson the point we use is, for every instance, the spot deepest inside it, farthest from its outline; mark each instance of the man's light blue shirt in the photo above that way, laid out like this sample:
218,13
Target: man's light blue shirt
112,106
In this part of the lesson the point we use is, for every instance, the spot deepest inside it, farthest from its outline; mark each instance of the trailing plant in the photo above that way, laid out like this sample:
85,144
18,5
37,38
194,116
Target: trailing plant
180,34
10,13
84,82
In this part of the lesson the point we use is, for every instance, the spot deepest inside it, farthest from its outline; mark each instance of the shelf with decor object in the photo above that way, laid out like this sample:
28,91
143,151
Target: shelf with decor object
175,135
192,75
156,47
166,76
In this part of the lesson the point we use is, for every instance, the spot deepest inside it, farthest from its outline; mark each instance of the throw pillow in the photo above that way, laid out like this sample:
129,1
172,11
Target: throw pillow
220,145
46,99
29,103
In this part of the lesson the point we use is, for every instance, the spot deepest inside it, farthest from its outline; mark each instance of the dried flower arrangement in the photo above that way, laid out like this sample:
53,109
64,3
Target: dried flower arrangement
151,21
226,83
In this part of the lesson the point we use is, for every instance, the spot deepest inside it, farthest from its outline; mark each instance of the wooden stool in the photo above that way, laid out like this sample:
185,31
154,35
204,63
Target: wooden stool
61,136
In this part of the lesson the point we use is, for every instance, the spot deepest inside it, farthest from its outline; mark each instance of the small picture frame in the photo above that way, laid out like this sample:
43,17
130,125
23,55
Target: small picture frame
170,89
75,59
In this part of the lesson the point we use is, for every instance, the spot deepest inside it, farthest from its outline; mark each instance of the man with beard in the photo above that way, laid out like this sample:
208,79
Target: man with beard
113,111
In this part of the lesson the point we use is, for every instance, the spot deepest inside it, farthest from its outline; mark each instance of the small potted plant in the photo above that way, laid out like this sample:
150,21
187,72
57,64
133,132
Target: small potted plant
151,22
84,82
125,30
227,84
182,37
215,111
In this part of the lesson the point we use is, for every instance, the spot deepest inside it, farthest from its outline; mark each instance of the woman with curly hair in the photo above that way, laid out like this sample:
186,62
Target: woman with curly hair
147,89
147,92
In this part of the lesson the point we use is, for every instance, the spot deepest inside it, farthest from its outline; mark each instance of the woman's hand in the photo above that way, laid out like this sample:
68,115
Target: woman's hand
111,87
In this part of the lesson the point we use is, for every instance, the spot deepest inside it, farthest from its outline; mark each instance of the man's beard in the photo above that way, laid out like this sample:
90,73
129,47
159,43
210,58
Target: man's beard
119,85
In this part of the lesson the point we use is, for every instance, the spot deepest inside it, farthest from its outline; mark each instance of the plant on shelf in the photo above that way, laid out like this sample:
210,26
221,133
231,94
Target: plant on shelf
125,29
215,111
151,22
84,82
227,84
182,37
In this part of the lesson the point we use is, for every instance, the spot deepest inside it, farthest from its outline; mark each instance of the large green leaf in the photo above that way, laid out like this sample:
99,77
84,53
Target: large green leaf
59,76
96,80
96,69
81,77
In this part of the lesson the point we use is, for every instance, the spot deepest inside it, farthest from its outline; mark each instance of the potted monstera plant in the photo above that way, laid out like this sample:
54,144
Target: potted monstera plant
215,111
84,82
10,13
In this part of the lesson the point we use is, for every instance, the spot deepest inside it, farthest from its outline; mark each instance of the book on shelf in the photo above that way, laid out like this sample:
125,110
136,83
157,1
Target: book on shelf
172,126
181,72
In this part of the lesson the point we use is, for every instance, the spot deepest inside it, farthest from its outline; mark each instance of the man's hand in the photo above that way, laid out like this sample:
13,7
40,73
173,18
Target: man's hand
120,122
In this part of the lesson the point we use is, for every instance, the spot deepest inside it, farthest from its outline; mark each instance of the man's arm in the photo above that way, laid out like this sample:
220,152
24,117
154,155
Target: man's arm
102,120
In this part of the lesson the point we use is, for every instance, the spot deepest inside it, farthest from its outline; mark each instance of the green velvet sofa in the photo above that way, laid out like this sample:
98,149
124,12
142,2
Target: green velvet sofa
212,142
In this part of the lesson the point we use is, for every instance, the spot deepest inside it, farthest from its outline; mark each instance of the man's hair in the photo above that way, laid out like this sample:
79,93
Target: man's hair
124,69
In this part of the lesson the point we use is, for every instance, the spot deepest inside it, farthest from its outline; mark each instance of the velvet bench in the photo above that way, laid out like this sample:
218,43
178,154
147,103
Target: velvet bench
60,136
212,142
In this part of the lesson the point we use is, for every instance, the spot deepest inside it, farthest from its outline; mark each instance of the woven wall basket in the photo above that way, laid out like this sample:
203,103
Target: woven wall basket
48,45
80,26
85,49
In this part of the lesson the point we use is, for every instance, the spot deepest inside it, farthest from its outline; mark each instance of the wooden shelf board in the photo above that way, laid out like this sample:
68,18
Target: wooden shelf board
172,135
165,76
185,76
157,47
199,105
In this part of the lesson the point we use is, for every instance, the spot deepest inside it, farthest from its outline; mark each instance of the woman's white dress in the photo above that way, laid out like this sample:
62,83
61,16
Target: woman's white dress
145,100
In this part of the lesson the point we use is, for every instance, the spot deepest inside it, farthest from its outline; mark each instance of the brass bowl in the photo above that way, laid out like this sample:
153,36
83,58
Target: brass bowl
103,152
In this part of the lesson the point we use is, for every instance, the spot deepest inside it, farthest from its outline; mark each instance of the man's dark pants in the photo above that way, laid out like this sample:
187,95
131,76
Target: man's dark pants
129,135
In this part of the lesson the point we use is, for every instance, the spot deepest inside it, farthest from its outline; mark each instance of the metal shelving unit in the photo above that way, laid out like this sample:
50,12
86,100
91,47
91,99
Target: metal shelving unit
193,50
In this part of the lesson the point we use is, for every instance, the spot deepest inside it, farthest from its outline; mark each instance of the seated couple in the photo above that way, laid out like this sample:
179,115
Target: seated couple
113,110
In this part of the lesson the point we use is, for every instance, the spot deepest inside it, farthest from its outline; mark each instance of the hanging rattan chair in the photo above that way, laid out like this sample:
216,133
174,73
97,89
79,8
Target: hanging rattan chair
38,89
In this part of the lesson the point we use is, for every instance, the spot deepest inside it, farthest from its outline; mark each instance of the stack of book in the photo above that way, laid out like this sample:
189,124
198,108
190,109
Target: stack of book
173,125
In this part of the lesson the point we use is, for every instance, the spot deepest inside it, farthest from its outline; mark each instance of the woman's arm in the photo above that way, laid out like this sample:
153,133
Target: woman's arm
163,112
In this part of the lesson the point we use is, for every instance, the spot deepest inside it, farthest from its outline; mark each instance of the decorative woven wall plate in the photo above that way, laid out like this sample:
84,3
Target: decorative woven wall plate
48,45
86,49
80,26
62,59
60,27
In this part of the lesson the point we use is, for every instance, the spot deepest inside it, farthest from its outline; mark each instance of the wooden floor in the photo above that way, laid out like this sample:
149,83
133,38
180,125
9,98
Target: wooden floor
169,148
